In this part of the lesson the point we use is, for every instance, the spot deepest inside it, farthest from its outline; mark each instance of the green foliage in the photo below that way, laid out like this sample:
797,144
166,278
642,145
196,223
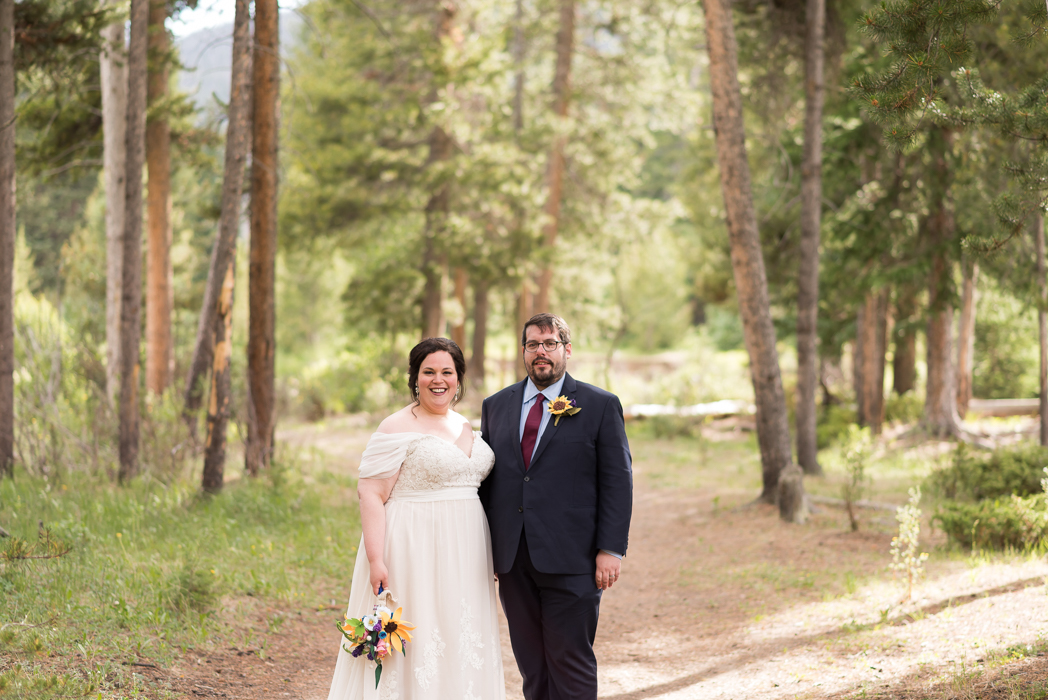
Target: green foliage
834,423
976,475
857,451
724,328
1011,522
908,408
1005,347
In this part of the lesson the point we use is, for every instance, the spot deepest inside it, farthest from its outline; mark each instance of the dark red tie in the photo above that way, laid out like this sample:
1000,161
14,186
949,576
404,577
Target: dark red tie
531,430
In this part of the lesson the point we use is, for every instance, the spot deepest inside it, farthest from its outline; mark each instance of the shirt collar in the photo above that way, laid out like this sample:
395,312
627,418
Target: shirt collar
551,392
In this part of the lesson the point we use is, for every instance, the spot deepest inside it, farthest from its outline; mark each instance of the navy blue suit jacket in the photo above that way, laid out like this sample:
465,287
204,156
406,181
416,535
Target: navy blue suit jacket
577,496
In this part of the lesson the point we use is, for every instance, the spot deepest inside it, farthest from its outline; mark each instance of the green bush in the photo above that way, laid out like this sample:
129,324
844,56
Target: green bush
908,408
834,423
977,475
1002,523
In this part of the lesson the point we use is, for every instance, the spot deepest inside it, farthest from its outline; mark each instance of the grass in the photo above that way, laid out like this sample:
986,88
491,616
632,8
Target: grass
157,569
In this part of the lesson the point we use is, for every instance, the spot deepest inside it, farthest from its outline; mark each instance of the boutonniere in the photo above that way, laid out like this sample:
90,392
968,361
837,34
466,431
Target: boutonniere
563,406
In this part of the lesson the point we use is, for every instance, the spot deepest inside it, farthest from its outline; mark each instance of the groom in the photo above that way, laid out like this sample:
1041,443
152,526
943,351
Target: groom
558,503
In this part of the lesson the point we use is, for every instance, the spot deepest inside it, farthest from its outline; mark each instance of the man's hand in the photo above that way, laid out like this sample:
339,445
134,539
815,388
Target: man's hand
608,567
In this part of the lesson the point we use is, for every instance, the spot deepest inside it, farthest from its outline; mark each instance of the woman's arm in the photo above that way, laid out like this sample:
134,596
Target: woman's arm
373,494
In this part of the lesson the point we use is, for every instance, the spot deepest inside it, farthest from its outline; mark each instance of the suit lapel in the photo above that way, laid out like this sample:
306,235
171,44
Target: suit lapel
516,398
568,390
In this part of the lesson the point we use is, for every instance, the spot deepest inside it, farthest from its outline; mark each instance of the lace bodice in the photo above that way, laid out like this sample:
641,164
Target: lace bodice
433,463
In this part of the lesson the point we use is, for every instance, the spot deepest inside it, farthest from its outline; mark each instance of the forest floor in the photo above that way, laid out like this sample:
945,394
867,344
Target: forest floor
719,599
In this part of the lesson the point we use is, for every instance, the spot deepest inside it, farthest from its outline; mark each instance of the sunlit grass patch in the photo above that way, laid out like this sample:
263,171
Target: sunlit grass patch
155,569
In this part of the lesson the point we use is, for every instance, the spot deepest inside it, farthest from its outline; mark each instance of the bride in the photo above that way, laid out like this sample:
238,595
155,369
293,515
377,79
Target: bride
426,539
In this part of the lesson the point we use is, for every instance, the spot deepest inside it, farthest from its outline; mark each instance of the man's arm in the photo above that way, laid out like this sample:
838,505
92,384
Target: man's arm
614,481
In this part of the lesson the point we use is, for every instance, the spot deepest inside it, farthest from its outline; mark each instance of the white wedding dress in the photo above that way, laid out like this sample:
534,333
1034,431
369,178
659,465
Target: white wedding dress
438,552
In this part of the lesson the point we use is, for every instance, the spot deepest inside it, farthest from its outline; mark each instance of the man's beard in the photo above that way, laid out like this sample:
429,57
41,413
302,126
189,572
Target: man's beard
546,374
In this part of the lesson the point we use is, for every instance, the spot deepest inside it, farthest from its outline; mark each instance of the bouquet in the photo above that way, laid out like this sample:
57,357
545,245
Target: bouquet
377,635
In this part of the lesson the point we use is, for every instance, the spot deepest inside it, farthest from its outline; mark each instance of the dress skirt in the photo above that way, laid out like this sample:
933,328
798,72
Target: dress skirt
438,553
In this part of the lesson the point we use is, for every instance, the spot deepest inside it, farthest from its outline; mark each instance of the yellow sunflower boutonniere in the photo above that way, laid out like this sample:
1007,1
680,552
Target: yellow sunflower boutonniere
563,406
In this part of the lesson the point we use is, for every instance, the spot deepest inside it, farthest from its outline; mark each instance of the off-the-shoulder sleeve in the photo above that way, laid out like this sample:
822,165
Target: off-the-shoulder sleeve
384,454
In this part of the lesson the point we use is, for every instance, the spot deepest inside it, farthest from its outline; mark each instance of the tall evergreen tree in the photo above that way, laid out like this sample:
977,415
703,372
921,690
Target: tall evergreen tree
7,236
773,432
131,273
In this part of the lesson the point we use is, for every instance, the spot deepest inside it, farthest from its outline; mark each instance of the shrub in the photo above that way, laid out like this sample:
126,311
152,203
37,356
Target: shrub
908,408
976,475
1000,523
834,424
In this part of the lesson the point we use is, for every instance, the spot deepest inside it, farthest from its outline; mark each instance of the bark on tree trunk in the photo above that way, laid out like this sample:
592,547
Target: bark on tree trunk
811,217
160,356
480,333
940,404
773,432
458,331
7,237
224,250
218,405
434,264
113,70
1042,322
873,331
966,338
221,349
131,293
261,344
555,168
518,61
904,359
859,362
524,312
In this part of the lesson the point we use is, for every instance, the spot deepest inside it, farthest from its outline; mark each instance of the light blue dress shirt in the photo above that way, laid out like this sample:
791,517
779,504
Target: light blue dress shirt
530,393
551,392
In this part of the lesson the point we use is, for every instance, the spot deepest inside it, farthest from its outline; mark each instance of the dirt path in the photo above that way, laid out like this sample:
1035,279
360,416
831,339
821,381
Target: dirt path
720,603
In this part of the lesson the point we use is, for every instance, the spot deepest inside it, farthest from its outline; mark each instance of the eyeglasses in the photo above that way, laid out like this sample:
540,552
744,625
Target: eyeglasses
547,345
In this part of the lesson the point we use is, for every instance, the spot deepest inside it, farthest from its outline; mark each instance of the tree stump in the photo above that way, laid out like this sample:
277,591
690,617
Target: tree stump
793,502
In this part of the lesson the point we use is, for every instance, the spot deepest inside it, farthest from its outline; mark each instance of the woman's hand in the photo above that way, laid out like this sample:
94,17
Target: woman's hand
379,576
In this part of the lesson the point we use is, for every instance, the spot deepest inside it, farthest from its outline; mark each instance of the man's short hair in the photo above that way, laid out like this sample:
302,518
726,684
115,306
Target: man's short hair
547,322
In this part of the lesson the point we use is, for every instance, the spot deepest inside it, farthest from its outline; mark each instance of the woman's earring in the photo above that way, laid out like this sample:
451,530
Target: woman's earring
416,392
458,392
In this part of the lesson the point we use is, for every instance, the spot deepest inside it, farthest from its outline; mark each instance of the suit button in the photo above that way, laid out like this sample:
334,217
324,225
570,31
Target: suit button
520,510
527,478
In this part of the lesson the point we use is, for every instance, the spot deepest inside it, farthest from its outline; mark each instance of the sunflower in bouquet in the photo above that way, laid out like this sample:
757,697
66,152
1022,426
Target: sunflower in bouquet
376,636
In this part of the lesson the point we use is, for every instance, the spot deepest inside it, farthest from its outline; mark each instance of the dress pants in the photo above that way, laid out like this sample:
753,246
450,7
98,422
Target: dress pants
552,622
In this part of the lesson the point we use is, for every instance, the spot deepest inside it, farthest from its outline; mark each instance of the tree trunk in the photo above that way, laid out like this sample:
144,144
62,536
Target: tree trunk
441,147
859,362
261,344
480,333
237,142
904,359
524,312
433,323
113,69
1042,321
221,349
458,331
873,333
7,238
218,406
518,62
966,338
773,432
811,217
940,403
131,292
160,356
555,168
